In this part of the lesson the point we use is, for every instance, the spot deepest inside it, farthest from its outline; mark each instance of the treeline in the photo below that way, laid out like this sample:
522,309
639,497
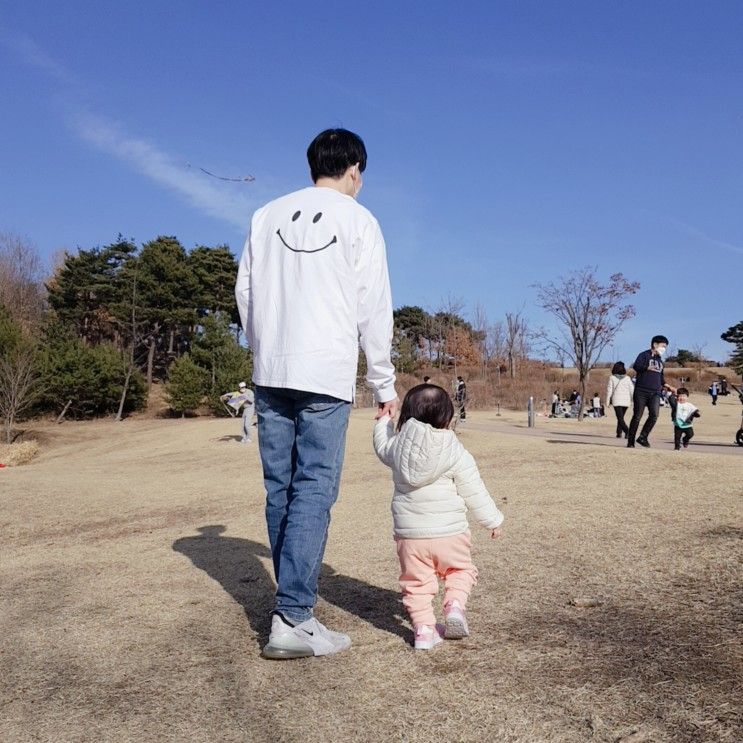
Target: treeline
110,321
92,338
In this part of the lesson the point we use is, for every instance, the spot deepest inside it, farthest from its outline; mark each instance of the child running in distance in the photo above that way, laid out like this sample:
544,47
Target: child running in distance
436,482
683,414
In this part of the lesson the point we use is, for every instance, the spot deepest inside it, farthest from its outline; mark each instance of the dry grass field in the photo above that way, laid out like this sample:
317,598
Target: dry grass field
136,587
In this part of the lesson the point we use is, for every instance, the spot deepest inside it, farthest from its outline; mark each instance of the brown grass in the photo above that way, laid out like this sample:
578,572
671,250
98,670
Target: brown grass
13,455
137,585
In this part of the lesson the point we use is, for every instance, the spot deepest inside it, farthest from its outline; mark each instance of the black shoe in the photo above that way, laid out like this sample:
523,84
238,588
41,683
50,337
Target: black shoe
630,445
619,435
644,442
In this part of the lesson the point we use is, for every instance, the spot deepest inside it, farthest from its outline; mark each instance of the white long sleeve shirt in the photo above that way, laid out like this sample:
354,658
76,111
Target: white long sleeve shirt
312,285
436,481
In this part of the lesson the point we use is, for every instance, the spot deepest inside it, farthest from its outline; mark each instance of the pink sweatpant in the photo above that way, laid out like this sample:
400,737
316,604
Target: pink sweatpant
423,562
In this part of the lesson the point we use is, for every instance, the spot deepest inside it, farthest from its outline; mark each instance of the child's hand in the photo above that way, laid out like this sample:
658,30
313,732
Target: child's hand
496,533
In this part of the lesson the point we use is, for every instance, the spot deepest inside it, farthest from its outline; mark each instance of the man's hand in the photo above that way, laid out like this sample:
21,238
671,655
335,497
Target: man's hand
387,408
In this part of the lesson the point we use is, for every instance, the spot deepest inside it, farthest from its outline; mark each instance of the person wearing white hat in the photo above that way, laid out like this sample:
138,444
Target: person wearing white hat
244,399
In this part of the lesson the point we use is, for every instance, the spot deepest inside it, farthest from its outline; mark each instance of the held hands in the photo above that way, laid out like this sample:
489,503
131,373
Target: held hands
387,408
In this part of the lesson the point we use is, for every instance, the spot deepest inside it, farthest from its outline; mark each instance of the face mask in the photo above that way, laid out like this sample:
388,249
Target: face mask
660,350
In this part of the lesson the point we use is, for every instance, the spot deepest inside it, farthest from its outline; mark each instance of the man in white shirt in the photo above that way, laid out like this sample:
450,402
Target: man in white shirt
312,285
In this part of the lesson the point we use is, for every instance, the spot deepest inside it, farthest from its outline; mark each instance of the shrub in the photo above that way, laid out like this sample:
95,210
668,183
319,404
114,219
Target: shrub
186,386
92,378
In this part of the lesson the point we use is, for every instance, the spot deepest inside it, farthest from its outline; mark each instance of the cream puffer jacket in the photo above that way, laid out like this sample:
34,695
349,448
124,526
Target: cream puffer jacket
436,481
619,391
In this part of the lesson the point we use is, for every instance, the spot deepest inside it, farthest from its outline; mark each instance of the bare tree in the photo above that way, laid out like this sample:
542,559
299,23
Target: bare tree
516,340
699,365
17,386
481,326
442,320
588,314
20,280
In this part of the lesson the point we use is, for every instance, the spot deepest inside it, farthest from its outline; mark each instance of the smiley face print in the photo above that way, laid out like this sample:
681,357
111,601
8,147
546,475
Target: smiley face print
309,233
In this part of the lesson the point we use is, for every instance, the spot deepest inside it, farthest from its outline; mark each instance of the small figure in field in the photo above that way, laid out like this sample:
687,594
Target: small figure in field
555,403
619,393
596,405
461,397
714,391
649,383
575,410
682,414
426,379
244,399
436,481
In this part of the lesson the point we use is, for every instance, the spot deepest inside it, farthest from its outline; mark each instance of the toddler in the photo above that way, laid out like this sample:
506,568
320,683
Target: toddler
683,414
436,481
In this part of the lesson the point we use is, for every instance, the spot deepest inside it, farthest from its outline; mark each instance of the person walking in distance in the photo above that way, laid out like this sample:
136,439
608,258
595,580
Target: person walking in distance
714,392
312,286
619,393
649,382
461,397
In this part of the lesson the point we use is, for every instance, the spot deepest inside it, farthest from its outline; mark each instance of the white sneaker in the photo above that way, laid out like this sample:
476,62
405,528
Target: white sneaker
303,641
426,637
455,621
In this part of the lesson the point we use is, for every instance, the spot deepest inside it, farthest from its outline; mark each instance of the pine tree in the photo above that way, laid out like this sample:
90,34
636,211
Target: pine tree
186,385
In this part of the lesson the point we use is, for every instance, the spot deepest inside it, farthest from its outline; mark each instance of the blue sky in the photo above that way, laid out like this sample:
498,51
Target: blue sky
509,142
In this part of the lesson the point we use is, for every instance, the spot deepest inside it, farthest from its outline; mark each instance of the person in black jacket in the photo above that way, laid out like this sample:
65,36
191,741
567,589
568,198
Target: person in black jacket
649,382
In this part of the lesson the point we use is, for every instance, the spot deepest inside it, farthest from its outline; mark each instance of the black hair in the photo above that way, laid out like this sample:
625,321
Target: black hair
427,403
659,339
332,152
618,368
682,391
425,379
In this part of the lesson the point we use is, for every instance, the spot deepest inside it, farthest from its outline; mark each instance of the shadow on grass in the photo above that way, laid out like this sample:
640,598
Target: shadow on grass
583,443
236,565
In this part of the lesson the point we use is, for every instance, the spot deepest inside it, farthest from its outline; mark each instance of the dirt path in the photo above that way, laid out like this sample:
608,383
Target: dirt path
603,439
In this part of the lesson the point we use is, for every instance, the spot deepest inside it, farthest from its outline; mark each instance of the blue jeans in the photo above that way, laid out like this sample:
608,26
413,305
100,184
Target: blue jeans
302,437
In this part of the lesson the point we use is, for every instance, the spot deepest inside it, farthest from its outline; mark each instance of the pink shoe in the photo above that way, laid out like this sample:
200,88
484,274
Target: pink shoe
455,621
426,637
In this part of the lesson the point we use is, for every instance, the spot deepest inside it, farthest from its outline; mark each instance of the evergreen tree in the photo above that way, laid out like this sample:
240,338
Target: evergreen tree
186,386
216,350
734,334
165,300
214,271
86,289
92,377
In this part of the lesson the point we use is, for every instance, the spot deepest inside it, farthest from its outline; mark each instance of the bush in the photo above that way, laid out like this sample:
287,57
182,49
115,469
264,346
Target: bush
186,385
92,378
225,362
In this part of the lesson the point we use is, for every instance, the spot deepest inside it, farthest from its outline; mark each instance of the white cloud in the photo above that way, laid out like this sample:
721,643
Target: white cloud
696,232
229,202
33,55
224,202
